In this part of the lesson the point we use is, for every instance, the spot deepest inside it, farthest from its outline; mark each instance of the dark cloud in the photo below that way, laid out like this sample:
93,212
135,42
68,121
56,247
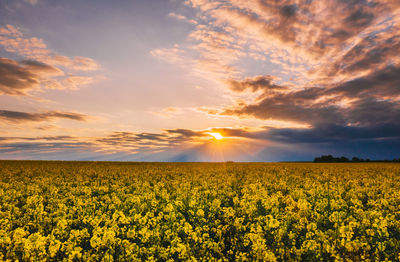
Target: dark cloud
269,110
288,11
368,100
381,83
254,84
371,54
46,138
331,134
370,112
346,20
359,18
333,21
293,106
185,133
374,142
16,78
16,116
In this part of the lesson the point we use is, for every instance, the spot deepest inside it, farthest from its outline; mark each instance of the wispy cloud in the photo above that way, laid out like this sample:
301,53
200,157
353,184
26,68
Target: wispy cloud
21,117
170,55
182,18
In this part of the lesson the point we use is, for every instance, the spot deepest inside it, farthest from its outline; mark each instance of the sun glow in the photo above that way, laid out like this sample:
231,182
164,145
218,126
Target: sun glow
217,136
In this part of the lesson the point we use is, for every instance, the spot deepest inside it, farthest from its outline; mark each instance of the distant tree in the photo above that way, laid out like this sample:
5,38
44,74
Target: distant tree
330,159
324,159
342,159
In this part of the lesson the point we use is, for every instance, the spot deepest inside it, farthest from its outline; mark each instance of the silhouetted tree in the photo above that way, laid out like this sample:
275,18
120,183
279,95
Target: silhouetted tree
342,159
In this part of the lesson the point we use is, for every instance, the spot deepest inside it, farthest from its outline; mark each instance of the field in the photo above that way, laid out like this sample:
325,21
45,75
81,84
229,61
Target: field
101,211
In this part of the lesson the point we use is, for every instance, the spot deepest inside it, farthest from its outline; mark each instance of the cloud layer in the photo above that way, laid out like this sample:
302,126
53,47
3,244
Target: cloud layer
331,67
21,117
240,144
339,60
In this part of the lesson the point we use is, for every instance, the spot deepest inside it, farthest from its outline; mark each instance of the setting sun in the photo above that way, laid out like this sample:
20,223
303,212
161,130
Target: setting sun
217,136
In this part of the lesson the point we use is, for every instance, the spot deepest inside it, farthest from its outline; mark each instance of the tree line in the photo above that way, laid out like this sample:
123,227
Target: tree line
342,159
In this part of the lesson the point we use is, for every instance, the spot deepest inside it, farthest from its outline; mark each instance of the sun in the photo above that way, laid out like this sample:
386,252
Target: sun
217,136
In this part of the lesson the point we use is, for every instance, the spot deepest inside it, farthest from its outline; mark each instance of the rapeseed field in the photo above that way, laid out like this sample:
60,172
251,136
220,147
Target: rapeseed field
113,211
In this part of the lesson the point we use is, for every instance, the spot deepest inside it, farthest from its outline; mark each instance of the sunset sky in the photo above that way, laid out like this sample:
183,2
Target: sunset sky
156,80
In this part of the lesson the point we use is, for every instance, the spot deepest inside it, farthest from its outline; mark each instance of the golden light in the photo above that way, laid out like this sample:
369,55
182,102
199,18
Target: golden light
217,136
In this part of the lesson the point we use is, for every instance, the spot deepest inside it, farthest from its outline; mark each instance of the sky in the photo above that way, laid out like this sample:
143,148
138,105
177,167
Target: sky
163,80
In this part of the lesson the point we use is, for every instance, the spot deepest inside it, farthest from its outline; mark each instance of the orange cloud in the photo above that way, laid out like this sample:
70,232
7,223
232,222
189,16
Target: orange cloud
41,68
18,78
182,18
170,55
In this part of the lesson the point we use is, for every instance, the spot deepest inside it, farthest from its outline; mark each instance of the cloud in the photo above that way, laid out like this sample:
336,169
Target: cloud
333,133
380,83
40,67
302,44
40,138
17,78
182,18
70,82
21,117
10,31
169,112
363,101
254,84
21,77
78,63
298,35
170,55
284,107
13,41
